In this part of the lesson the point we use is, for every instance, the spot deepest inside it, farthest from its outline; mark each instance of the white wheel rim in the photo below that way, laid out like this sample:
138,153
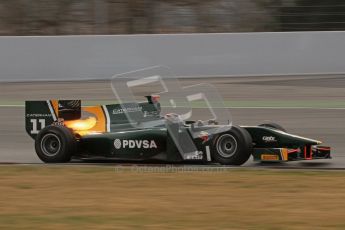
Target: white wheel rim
226,145
50,145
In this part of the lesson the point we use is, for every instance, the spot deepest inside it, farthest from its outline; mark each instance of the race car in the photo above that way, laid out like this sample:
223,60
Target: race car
63,129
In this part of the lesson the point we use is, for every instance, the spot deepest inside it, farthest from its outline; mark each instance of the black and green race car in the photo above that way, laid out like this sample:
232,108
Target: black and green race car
63,129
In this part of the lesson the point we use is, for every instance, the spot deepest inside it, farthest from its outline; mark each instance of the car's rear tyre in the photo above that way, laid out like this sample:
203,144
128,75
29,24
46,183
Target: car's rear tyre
233,147
55,144
274,126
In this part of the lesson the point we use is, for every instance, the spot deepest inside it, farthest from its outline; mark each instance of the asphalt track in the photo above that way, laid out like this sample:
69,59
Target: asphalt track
311,106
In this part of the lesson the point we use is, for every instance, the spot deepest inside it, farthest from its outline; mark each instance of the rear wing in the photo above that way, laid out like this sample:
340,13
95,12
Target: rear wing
39,114
83,120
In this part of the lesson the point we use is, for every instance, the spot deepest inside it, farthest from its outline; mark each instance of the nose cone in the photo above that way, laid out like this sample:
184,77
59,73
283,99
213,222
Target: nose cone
287,138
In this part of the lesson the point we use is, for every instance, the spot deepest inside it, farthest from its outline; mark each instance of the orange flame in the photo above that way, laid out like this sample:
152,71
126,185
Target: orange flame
81,125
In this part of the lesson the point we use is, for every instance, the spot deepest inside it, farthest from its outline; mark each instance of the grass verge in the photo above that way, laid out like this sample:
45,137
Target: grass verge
57,197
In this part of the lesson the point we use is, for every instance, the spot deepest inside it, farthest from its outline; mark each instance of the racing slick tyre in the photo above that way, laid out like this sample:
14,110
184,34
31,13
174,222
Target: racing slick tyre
55,144
274,126
233,147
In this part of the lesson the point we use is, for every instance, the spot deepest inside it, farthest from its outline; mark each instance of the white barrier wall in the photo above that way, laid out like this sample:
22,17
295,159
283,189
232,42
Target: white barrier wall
99,57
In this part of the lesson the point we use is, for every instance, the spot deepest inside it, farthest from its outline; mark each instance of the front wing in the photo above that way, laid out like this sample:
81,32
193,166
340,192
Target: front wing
285,154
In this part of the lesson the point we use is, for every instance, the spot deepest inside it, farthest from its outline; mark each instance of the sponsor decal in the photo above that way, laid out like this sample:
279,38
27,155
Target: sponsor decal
269,157
59,122
127,110
150,113
131,144
197,155
38,115
269,139
117,144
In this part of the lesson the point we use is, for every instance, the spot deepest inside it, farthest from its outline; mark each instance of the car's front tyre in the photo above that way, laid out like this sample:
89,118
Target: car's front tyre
233,147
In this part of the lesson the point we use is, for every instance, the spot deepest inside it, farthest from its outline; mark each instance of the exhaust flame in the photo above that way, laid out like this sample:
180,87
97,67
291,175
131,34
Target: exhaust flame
82,125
